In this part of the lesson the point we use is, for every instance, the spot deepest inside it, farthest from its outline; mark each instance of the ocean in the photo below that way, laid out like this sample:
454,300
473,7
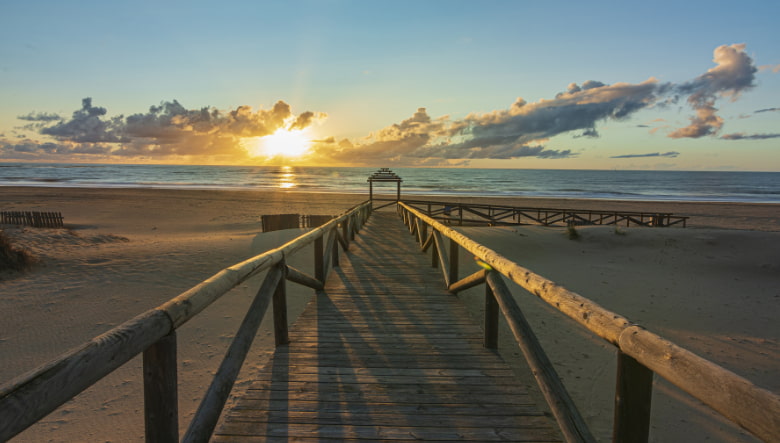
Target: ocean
753,187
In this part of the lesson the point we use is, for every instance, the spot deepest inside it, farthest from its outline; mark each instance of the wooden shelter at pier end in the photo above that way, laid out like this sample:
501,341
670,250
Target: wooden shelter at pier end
384,175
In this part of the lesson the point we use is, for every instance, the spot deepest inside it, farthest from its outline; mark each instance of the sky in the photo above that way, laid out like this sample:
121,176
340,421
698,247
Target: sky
689,85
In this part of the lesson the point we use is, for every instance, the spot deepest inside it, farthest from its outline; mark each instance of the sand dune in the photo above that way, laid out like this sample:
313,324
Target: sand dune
712,288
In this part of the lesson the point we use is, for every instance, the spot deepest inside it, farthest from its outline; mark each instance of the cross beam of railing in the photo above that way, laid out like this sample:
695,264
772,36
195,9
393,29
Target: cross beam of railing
453,213
641,353
32,396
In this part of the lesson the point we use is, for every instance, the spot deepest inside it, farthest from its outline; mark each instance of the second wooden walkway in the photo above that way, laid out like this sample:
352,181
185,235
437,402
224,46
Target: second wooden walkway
385,353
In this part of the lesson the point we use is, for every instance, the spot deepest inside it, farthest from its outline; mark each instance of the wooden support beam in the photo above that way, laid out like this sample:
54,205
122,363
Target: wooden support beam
280,311
443,257
210,408
161,404
302,278
633,393
319,260
565,411
452,273
491,319
472,280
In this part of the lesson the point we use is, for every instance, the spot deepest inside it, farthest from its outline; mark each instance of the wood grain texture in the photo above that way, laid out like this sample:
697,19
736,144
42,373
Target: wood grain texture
385,353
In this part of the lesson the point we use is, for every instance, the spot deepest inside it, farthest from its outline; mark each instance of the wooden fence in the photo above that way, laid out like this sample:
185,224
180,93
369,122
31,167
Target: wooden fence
34,219
27,399
641,353
496,215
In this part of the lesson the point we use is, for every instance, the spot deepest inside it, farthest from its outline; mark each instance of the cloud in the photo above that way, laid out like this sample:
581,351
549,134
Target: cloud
740,136
522,130
774,68
166,130
670,154
422,140
734,73
768,110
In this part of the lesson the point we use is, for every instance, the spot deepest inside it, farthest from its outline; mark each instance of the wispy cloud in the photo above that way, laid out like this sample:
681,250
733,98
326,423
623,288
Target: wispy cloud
767,110
670,154
741,136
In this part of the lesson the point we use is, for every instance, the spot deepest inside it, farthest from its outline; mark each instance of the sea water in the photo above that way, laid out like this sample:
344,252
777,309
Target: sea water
755,187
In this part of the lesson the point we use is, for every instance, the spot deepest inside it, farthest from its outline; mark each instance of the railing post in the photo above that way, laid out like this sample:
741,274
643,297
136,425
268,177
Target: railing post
434,251
319,260
280,310
335,256
452,273
161,414
345,229
633,392
491,319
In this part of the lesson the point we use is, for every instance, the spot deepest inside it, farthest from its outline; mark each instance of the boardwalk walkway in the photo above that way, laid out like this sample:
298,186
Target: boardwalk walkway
385,353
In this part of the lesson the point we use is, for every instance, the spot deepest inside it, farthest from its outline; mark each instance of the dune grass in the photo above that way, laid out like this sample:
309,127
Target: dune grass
13,258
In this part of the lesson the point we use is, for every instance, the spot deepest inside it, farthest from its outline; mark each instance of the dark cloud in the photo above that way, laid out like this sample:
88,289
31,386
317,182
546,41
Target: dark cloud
670,154
580,108
768,110
734,73
740,136
421,140
40,117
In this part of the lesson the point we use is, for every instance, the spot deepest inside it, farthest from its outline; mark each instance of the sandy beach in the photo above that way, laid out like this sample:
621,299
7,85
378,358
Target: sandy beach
713,288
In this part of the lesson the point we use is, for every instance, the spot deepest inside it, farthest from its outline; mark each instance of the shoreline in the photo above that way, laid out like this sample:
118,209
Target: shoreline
711,288
389,193
718,215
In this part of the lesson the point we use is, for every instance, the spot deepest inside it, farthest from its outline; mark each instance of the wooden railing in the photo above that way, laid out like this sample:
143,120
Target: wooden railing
27,399
473,213
641,353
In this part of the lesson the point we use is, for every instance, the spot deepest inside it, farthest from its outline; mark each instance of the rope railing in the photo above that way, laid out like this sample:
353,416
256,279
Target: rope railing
32,396
641,353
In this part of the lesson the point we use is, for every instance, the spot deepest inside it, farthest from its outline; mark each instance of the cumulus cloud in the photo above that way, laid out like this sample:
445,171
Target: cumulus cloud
670,154
168,129
740,136
734,73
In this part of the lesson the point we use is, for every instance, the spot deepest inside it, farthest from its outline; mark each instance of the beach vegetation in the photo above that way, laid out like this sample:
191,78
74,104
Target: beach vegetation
13,258
619,231
571,232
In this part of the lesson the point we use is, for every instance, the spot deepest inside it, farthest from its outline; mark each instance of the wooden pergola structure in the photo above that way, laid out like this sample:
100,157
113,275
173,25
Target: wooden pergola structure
384,175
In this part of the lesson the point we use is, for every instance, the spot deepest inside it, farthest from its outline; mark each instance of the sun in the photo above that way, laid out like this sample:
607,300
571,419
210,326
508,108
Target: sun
282,143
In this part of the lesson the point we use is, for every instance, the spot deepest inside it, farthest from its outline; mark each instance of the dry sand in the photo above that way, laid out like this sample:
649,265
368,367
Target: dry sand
713,288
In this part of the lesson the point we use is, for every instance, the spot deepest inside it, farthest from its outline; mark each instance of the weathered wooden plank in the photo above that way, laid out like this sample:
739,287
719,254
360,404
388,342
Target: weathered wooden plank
449,433
392,418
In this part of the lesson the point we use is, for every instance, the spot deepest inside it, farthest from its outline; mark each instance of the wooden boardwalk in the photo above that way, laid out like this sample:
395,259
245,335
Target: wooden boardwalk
385,353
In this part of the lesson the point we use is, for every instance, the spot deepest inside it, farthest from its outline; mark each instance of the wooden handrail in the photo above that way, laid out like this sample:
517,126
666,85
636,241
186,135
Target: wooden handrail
31,396
754,409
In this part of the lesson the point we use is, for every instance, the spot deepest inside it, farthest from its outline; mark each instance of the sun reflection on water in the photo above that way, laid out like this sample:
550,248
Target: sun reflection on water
287,178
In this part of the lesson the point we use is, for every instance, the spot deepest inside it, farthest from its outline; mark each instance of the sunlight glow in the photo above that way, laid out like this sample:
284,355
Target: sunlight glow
283,142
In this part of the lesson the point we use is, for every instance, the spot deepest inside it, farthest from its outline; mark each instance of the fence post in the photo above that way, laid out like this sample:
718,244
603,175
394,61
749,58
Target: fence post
280,309
434,251
454,253
633,392
161,415
491,319
319,262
